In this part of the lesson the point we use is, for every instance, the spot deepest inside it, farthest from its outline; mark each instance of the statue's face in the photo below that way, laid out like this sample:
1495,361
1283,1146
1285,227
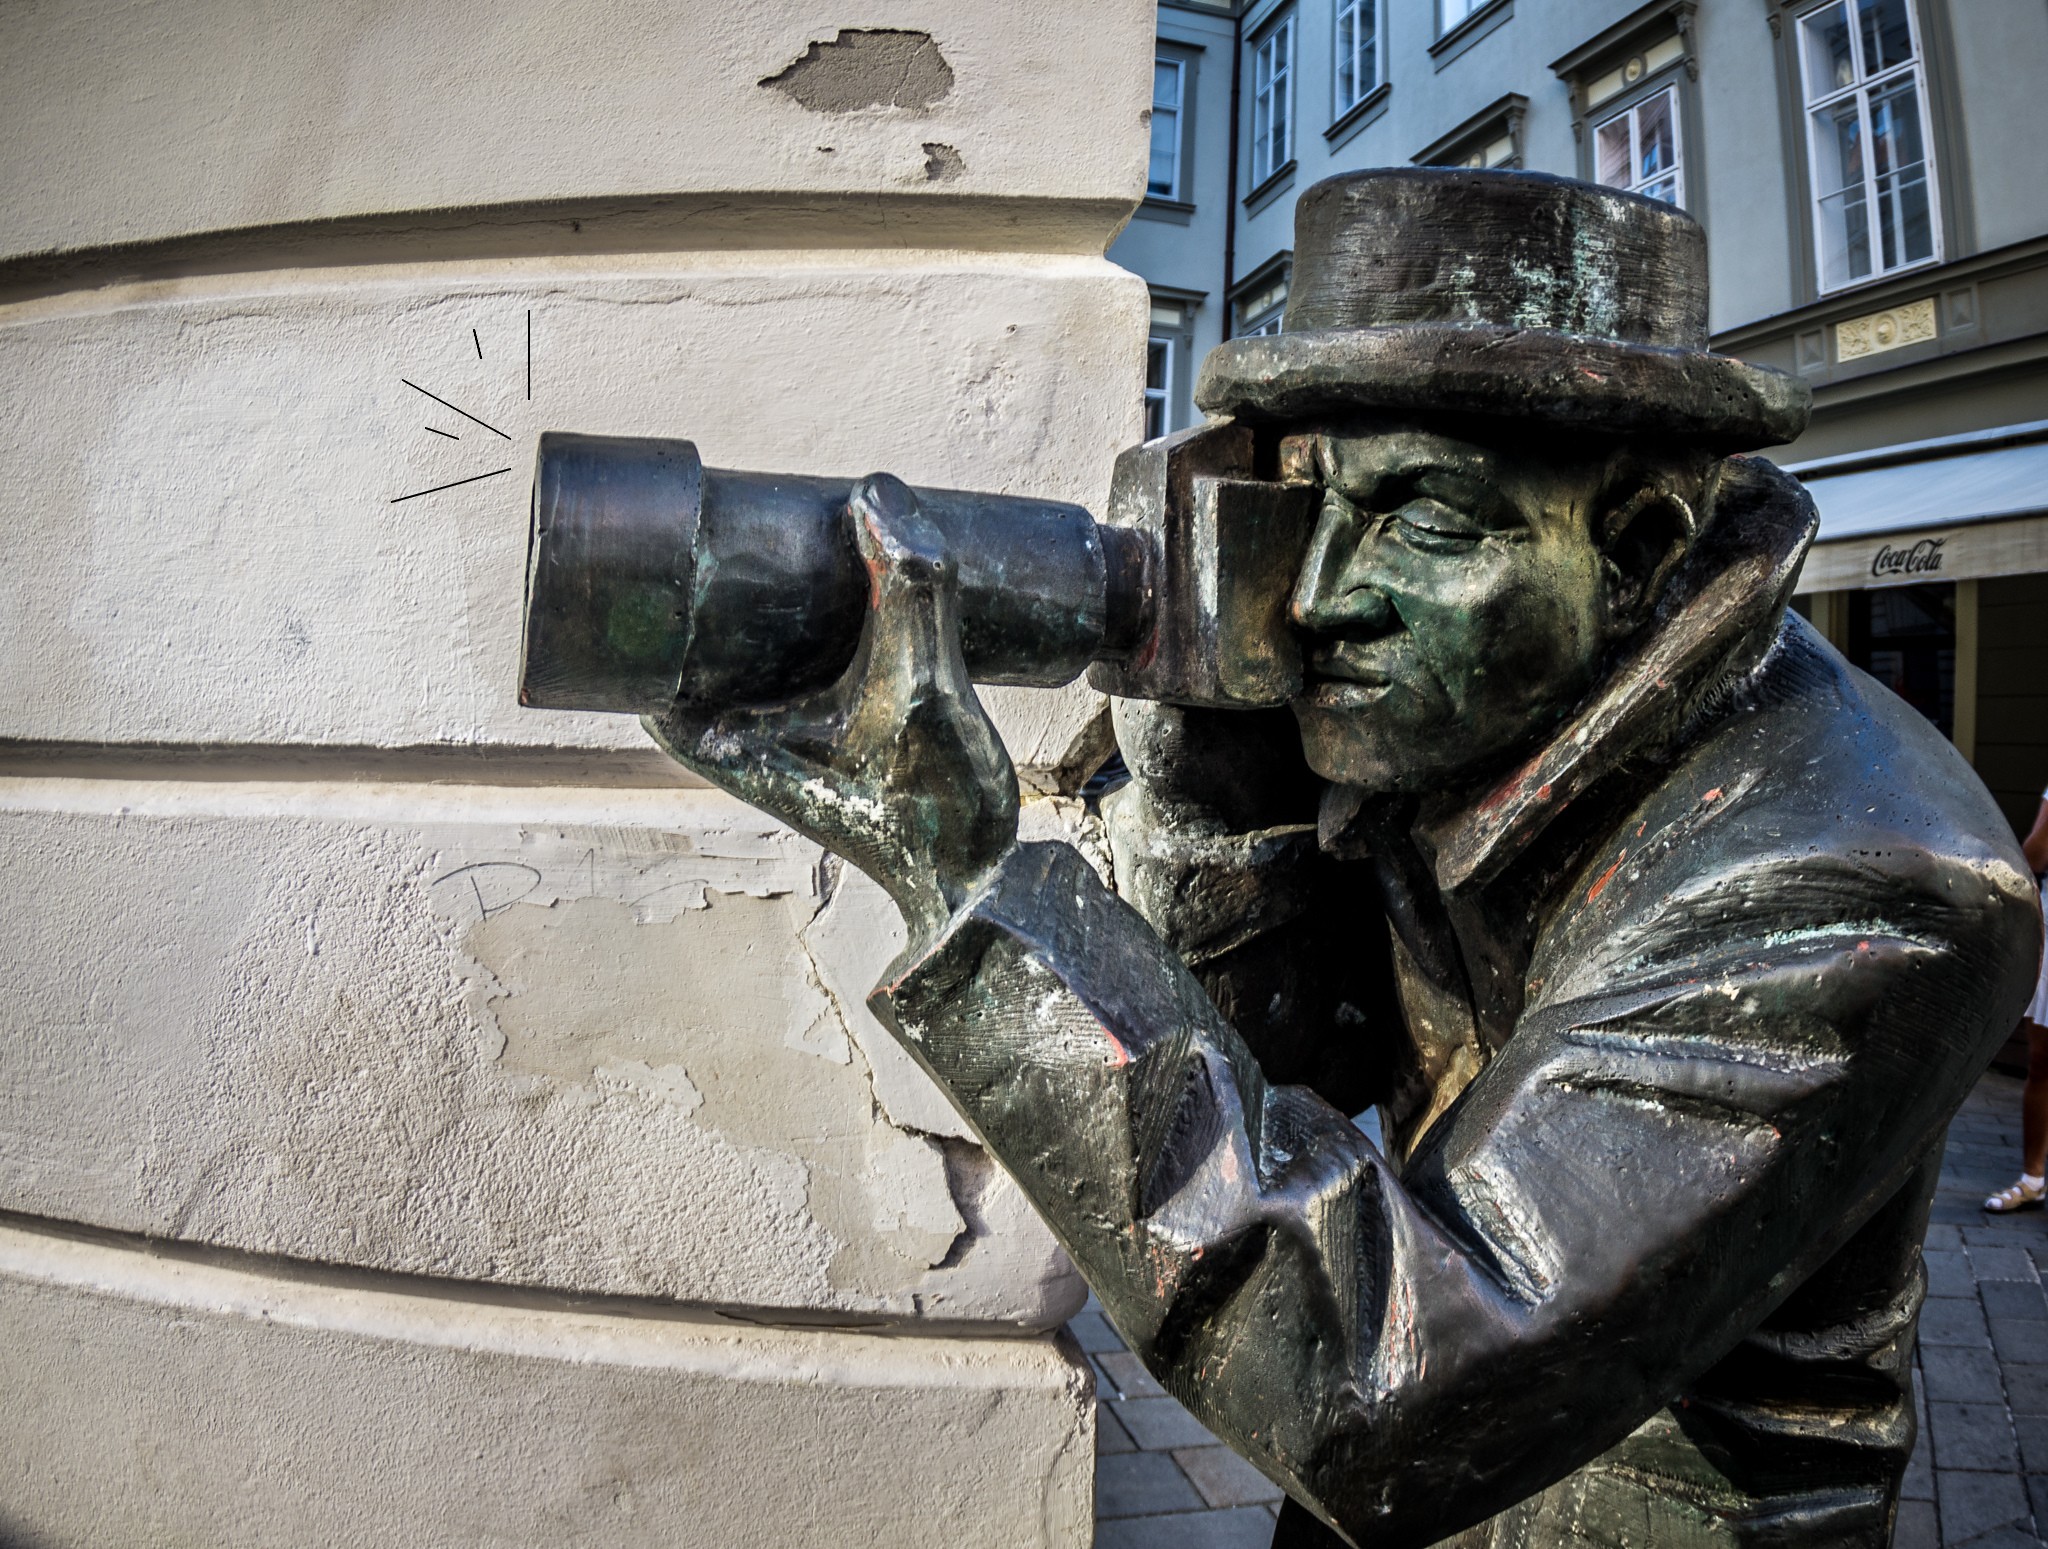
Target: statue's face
1455,602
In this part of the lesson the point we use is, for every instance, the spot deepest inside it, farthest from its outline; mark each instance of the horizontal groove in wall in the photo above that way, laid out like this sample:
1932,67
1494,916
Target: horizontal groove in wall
592,228
622,769
139,1267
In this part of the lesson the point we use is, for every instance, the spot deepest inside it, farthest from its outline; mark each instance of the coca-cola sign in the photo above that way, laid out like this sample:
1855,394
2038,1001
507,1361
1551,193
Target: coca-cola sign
1923,558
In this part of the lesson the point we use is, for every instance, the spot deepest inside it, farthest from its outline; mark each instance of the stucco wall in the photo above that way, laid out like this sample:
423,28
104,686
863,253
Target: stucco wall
324,958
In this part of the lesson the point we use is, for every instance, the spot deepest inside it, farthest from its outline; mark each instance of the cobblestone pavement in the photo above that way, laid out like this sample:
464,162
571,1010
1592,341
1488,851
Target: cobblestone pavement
1979,1476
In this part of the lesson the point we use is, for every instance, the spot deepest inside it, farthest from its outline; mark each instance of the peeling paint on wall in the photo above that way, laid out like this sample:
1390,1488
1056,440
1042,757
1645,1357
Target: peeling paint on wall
867,67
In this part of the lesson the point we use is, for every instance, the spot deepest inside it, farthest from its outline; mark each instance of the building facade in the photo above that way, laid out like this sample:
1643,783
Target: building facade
426,1121
1876,221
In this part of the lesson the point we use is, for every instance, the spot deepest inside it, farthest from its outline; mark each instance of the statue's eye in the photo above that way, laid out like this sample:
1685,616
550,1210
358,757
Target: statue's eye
1436,528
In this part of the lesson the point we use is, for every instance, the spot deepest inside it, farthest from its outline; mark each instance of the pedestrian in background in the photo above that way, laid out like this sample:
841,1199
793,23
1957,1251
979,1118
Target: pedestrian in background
2031,1189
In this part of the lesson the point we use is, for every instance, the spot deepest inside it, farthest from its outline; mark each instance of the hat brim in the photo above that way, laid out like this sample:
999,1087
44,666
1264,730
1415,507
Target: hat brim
1568,380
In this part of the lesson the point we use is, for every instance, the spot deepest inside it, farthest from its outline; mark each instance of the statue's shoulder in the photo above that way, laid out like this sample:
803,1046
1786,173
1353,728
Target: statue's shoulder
1815,801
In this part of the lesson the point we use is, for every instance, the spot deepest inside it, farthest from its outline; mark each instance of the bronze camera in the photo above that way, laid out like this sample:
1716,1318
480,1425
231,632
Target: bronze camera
652,578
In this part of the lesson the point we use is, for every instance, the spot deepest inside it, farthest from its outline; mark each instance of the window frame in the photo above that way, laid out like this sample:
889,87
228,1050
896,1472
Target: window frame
1282,76
1372,9
1162,395
1860,91
1625,105
1182,77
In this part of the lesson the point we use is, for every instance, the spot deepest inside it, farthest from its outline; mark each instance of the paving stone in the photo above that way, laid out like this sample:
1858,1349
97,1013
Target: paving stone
1224,1478
2012,1231
2013,1299
1133,1484
1094,1334
1944,1238
1128,1376
1950,1214
1974,1436
1948,1274
1110,1435
1919,1481
2019,1340
2037,1493
2015,1537
1156,1423
1247,1527
2026,1387
1961,1374
2002,1263
1953,1320
1917,1527
1975,1503
2032,1431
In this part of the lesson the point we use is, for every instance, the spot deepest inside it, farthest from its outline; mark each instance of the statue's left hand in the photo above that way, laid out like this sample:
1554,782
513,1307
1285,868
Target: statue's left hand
895,766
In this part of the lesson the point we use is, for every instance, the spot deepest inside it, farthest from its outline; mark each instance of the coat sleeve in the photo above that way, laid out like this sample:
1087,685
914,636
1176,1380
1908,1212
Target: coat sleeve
1664,1149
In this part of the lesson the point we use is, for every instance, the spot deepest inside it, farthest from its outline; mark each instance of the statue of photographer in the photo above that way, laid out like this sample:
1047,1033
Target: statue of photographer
1665,943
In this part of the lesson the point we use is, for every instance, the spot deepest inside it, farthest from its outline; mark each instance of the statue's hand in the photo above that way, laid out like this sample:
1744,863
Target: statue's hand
896,766
1228,770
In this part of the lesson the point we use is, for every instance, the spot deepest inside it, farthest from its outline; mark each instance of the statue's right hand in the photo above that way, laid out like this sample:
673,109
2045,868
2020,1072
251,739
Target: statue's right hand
896,766
1230,770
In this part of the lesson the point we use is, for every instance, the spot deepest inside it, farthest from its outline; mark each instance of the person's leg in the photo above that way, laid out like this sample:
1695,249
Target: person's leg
2034,1102
2031,1190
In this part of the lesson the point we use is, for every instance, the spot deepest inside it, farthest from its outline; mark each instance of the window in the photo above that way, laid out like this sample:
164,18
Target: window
1262,303
1358,51
1497,152
1273,101
1873,193
1169,79
1638,149
1158,384
1450,12
1492,137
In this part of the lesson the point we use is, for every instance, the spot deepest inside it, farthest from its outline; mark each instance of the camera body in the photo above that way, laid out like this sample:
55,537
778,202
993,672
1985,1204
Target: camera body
652,578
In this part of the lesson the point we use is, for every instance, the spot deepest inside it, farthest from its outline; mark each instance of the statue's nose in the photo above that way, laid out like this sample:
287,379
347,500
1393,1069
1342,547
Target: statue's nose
1336,594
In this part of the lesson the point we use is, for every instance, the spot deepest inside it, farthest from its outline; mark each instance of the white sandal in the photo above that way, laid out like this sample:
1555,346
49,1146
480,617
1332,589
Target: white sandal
2020,1196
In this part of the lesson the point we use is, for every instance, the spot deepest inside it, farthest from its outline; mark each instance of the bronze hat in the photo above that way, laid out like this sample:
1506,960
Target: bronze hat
1511,294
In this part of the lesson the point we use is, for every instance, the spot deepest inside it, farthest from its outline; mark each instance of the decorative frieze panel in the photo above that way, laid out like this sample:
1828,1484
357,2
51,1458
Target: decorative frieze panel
1892,329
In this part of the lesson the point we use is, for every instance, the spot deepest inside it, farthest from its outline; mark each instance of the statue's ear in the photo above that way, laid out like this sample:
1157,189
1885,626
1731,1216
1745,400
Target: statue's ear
1642,540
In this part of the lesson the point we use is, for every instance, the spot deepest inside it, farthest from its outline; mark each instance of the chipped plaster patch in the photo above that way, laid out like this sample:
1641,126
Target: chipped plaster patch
587,998
867,67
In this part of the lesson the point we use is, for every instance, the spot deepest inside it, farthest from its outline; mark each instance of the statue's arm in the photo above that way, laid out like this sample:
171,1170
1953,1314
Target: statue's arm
1644,1170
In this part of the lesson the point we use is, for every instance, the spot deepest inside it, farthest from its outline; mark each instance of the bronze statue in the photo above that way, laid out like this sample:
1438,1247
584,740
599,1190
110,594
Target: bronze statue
1480,775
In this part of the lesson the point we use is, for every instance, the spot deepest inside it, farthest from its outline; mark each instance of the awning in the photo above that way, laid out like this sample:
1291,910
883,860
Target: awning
1955,508
1985,476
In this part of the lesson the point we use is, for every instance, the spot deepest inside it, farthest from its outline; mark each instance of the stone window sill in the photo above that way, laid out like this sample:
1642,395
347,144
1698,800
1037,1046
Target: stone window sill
1281,180
1359,114
1177,212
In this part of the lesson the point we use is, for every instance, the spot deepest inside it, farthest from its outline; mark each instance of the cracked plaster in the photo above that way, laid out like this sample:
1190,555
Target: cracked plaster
540,1037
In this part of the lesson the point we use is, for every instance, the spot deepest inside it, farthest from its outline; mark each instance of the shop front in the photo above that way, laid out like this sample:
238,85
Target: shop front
1931,574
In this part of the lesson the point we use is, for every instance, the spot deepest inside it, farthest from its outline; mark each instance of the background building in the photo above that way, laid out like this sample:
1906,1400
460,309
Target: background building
1876,216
